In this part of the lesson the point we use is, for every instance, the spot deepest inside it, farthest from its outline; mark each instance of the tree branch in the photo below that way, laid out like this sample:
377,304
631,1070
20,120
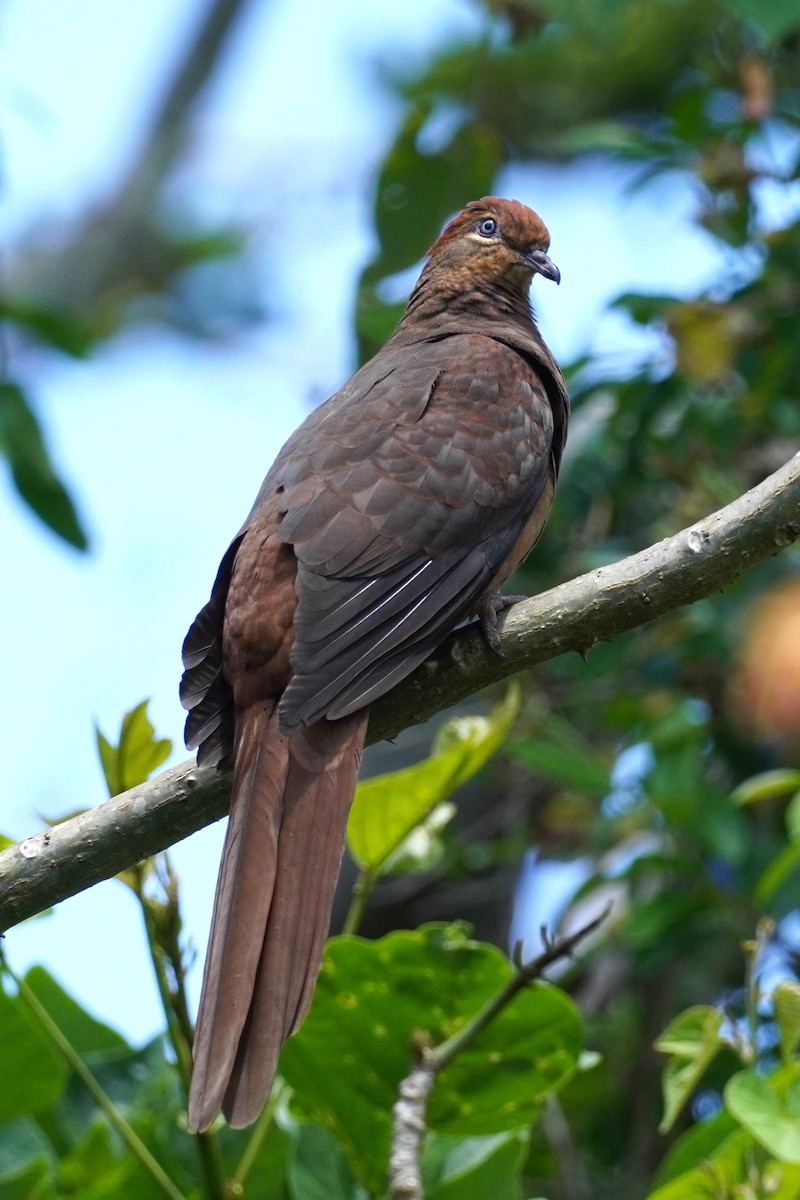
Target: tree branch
694,563
410,1111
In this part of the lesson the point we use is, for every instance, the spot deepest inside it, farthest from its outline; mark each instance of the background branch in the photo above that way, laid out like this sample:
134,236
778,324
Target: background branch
410,1110
57,863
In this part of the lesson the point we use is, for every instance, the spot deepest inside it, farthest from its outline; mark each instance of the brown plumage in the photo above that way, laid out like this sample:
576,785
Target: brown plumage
388,518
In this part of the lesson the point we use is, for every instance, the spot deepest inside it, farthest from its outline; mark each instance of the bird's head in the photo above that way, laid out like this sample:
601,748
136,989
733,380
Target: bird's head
495,241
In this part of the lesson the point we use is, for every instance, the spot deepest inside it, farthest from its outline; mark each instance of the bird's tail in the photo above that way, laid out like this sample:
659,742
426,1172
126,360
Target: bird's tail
283,849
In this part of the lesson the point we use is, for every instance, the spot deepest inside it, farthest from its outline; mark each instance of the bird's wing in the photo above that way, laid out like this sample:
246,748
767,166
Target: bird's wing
403,513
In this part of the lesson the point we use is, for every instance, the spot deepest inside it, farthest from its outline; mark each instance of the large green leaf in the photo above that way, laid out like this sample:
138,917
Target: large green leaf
319,1169
34,1181
86,1035
769,1108
372,999
387,808
729,1169
22,1143
697,1145
136,755
692,1041
474,1168
558,752
22,443
95,1167
267,1176
775,19
32,1074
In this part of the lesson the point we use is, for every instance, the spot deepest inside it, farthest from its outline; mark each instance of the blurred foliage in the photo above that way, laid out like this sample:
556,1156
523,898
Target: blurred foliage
137,754
666,765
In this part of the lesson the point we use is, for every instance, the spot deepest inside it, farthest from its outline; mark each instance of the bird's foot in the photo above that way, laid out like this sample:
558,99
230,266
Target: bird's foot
490,608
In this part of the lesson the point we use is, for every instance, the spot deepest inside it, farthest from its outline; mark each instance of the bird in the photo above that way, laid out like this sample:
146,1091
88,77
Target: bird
390,517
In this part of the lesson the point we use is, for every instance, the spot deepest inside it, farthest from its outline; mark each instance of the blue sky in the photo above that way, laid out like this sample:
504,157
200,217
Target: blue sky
286,143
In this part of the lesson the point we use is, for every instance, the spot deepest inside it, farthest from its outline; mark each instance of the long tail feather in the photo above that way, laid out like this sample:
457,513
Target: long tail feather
291,798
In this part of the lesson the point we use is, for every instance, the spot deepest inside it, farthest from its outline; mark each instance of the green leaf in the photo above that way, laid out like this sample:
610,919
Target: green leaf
34,1181
137,753
786,999
23,444
474,1168
558,752
692,1041
32,1074
603,137
644,308
769,1112
784,863
372,999
723,1170
87,1035
696,1146
769,785
21,1144
387,808
417,190
793,818
319,1169
53,326
268,1176
775,19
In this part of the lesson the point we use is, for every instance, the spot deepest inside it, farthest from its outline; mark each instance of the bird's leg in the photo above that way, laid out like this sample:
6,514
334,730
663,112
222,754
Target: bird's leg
488,611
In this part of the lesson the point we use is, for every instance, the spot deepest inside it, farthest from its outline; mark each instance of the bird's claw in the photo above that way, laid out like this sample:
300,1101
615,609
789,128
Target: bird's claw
490,609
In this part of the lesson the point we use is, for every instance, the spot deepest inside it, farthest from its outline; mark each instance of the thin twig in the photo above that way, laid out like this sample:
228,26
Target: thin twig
162,929
258,1134
526,973
694,563
410,1110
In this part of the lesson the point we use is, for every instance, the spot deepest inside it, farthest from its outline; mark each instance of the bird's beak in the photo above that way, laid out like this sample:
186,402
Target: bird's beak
538,262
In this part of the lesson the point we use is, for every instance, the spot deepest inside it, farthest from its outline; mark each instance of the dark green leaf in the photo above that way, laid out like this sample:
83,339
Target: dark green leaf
87,1035
32,1074
355,1047
268,1177
726,1168
21,1144
474,1168
319,1169
34,1181
695,1146
644,308
22,443
59,329
560,754
775,19
417,191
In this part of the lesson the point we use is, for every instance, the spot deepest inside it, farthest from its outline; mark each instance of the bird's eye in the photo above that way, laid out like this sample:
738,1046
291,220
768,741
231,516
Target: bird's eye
488,227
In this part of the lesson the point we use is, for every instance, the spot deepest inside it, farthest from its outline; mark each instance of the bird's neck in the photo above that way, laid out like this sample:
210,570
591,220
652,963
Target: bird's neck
445,298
